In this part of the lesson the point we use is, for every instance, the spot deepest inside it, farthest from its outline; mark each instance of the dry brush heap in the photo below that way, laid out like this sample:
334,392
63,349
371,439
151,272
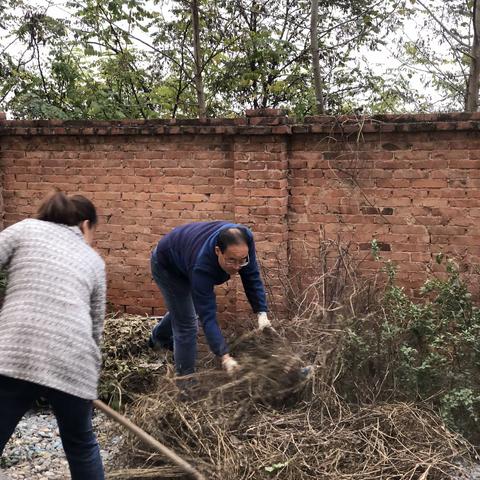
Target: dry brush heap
269,421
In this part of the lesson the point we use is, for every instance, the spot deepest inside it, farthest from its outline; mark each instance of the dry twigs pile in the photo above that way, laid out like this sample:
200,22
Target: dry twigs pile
271,422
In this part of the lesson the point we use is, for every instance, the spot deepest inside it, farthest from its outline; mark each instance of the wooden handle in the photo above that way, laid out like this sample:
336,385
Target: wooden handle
149,440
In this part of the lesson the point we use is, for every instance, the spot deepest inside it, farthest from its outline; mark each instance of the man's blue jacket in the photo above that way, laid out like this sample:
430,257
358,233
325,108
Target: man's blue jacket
189,251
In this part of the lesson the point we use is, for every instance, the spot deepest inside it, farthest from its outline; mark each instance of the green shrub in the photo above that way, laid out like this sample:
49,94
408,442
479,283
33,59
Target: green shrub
425,349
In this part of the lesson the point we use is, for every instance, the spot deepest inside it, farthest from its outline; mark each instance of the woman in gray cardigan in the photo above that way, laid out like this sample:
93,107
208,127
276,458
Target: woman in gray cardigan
51,325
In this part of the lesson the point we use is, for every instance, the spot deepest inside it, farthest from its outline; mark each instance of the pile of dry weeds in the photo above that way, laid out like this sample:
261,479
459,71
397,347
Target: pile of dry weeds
129,367
272,422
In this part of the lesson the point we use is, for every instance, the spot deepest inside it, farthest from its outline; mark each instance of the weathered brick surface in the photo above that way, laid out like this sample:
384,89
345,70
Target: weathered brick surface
416,193
411,182
142,185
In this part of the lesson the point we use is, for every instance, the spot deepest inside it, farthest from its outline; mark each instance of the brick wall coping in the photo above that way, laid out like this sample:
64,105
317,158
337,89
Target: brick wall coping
256,122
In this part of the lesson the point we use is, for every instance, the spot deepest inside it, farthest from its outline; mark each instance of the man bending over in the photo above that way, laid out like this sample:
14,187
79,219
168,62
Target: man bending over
186,265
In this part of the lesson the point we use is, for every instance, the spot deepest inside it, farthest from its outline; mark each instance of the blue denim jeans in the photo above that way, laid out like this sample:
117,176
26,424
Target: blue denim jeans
74,418
178,329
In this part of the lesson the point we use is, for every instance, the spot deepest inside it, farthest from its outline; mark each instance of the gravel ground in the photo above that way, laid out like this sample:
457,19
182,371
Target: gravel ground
35,451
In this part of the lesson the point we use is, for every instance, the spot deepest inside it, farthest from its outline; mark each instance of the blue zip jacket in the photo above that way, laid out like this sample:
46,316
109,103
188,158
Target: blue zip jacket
189,251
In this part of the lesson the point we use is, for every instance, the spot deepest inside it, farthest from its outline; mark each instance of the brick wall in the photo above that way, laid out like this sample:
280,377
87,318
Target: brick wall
411,182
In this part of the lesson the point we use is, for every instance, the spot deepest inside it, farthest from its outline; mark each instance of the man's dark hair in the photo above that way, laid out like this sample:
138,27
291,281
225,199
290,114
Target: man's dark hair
231,236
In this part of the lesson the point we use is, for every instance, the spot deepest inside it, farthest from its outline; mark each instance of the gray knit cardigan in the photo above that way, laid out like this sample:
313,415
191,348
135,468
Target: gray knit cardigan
52,319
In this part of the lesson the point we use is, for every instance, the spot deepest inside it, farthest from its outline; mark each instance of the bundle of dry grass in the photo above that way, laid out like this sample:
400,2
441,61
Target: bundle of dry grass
271,422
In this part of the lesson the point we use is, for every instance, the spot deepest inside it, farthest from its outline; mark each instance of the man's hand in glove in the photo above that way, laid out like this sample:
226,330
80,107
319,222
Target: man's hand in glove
263,321
229,364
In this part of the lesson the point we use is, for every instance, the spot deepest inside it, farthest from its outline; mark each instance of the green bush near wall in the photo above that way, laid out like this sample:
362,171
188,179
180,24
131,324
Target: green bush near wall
425,349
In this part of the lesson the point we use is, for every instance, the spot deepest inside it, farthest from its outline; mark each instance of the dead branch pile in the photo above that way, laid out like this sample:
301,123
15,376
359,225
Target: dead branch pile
272,422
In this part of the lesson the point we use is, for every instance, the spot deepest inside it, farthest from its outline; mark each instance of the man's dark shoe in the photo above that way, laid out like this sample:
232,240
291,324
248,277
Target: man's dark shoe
158,347
154,345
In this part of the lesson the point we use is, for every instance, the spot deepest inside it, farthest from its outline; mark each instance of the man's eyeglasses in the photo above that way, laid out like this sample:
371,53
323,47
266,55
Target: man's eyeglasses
240,263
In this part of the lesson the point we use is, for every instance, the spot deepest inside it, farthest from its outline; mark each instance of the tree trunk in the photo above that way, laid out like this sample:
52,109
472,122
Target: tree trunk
253,62
197,53
320,109
471,103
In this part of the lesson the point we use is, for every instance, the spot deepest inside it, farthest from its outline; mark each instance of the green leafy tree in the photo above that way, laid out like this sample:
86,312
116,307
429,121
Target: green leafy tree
187,58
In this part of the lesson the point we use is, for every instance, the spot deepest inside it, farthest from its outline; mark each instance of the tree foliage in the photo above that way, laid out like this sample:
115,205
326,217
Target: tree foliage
137,58
441,50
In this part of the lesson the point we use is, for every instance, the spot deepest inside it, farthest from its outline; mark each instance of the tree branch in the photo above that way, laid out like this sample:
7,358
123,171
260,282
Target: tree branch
445,30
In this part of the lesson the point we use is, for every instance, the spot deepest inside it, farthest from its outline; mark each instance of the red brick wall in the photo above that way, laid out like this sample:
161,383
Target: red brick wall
142,185
411,182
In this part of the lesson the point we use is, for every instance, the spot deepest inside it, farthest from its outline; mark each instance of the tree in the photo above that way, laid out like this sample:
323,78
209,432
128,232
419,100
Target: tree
197,54
272,55
190,58
81,65
316,58
471,102
107,31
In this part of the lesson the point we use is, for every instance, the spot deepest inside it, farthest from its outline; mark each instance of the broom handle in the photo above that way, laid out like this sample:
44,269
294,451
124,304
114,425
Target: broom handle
149,440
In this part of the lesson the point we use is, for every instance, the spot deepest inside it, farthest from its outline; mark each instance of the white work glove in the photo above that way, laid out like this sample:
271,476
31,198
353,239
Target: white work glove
263,321
229,364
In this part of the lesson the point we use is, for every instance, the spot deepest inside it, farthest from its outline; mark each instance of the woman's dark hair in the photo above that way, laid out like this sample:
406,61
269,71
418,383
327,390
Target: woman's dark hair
58,208
231,236
85,209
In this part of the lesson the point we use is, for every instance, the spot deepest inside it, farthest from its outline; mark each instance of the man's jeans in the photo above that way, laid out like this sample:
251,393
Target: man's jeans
178,329
74,418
